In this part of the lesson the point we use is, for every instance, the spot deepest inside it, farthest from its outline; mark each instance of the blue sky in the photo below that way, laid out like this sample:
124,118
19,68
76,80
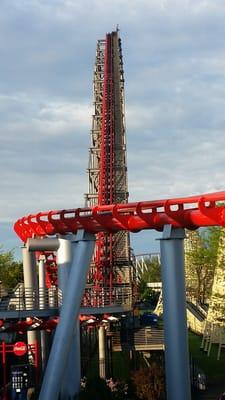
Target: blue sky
174,60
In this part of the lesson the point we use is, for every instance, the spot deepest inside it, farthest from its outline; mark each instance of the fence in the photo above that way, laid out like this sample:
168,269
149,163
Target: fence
103,297
28,299
22,298
147,338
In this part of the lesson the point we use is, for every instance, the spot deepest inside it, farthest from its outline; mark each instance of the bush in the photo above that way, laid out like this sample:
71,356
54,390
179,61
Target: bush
11,272
95,389
99,389
119,389
149,382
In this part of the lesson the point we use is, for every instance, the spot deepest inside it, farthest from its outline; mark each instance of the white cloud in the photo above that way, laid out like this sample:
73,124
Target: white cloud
174,59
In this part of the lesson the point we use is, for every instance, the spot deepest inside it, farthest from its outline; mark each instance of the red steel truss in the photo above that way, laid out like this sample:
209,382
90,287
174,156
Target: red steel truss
189,212
106,177
104,259
107,161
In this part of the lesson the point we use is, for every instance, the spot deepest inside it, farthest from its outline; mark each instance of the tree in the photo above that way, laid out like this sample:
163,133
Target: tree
11,271
149,382
200,261
152,270
151,273
216,311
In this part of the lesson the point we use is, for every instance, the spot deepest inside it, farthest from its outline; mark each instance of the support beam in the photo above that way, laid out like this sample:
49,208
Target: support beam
44,349
71,378
31,290
46,244
72,375
42,284
30,278
69,314
43,300
174,313
64,261
102,352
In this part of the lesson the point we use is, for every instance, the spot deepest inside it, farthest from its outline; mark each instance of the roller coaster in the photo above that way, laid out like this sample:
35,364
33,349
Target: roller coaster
189,212
66,239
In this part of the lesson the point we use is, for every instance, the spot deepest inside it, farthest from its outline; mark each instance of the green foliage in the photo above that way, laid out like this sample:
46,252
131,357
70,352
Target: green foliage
11,271
150,274
98,388
147,294
201,262
211,239
213,368
149,382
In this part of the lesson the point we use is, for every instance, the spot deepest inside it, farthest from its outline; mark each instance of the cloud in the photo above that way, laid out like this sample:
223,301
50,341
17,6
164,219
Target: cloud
174,61
43,153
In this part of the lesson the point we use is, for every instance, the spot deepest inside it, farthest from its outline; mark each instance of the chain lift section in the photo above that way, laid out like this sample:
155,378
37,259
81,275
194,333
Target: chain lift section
104,242
107,161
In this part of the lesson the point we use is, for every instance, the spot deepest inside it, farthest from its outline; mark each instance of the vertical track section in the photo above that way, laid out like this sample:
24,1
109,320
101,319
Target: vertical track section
104,244
107,162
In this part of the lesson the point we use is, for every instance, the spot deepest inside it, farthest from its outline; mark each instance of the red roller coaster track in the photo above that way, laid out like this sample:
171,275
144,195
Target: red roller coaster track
190,212
104,243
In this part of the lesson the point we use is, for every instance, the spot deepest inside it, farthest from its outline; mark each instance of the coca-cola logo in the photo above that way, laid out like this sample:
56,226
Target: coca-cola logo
19,348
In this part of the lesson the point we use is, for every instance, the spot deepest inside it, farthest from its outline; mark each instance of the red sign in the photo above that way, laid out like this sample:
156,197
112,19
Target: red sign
20,348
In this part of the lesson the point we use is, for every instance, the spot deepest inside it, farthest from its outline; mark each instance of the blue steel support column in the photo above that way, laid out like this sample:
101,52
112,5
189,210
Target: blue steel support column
71,379
63,338
174,314
72,376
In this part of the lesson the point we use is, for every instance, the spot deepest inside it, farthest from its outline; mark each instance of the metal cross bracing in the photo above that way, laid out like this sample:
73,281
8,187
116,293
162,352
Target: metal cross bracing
107,162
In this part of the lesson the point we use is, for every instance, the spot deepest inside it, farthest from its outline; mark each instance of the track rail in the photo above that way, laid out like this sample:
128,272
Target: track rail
189,212
104,257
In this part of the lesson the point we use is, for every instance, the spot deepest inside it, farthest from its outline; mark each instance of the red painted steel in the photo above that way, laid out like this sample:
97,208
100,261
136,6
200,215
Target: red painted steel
189,212
106,177
22,327
104,257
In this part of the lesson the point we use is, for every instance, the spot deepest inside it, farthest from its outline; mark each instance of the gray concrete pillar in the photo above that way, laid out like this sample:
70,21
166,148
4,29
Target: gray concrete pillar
31,293
174,314
102,352
43,302
30,279
42,284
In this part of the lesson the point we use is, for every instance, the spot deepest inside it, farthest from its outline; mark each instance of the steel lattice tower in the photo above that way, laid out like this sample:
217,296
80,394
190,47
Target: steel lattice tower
107,168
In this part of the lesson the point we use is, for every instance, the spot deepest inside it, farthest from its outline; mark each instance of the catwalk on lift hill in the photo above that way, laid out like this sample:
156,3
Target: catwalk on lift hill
107,168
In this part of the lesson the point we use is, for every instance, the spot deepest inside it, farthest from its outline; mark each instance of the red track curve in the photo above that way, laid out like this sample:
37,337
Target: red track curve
189,212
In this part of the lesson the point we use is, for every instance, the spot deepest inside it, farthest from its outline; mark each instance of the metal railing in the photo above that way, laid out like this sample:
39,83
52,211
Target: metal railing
22,298
104,297
147,338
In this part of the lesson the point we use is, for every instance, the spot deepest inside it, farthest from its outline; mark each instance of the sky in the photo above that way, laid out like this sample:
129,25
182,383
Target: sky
174,62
